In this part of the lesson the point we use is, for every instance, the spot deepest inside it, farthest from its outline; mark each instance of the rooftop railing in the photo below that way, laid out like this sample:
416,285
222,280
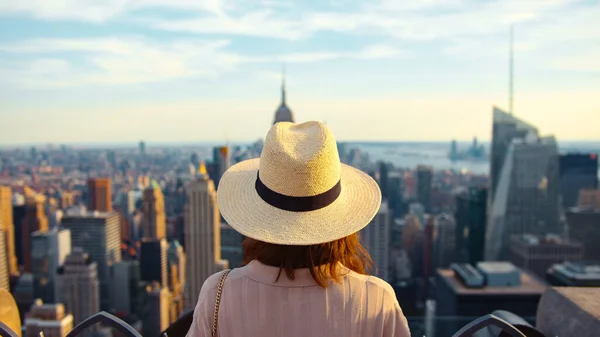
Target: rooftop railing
561,312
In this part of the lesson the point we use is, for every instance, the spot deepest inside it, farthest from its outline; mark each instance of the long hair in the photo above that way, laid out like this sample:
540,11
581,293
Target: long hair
321,259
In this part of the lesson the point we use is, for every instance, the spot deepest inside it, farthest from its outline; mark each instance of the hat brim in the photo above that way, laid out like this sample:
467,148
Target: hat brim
246,212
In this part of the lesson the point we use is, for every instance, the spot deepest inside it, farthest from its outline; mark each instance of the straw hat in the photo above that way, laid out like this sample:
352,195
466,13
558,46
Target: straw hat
298,192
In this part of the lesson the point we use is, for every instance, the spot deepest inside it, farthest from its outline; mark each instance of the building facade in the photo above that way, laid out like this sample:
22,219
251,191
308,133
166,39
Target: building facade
376,239
48,252
4,275
471,218
538,253
98,233
156,319
35,220
7,226
202,236
78,286
584,227
155,221
99,194
578,171
527,197
153,261
424,186
50,319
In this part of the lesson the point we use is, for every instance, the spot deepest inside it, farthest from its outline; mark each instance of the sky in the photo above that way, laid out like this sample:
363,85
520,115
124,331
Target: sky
88,71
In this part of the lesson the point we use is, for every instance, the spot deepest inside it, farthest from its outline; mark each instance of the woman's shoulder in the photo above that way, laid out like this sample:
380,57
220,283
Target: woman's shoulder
373,283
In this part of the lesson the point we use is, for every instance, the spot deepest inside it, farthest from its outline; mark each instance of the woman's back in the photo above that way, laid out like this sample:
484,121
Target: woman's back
253,304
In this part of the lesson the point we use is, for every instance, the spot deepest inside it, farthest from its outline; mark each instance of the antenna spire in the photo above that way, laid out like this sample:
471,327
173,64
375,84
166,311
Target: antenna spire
283,84
511,72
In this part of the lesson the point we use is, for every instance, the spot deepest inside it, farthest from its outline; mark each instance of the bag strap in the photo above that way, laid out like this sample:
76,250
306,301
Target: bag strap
217,302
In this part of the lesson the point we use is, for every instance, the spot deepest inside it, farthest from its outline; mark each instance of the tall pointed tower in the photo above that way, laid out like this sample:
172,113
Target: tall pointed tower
283,113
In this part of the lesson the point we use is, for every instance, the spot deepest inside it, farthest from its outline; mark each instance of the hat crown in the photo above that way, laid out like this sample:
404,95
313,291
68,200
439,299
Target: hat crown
300,160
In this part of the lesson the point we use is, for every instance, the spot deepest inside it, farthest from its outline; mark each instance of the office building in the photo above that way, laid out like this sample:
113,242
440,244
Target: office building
384,170
465,292
156,319
153,261
4,274
78,286
574,274
48,252
589,199
584,227
127,202
424,186
155,222
19,212
99,194
445,241
142,148
23,294
471,218
98,233
577,172
376,239
283,113
177,279
506,127
527,197
231,246
538,253
35,220
125,276
221,161
396,194
7,225
50,319
202,236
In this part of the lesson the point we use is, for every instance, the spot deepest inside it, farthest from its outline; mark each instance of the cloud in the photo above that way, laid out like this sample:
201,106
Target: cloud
132,60
110,61
99,11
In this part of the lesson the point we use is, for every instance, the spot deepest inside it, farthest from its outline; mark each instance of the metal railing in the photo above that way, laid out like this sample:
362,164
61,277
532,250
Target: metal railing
509,323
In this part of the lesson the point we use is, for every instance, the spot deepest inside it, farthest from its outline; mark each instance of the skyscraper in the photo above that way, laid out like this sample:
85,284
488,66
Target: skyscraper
153,261
8,227
155,221
98,233
471,218
4,275
527,195
376,239
177,278
202,236
584,227
578,172
78,286
221,160
126,278
506,127
156,319
19,212
445,241
283,113
142,148
51,319
99,194
48,252
424,185
35,220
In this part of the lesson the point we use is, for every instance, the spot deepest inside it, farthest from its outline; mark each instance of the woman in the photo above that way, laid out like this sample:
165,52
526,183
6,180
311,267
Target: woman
300,210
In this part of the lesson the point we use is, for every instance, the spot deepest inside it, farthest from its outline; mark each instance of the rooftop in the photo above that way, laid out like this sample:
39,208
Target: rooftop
529,285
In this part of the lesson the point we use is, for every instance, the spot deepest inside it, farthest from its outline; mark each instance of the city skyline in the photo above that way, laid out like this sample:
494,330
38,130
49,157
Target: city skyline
188,71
